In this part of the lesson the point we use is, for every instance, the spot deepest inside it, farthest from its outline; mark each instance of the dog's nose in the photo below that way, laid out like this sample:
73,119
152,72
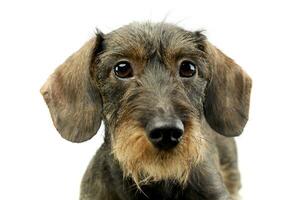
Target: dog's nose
165,133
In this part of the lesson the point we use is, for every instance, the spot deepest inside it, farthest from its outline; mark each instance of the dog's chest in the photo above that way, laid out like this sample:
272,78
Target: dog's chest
164,191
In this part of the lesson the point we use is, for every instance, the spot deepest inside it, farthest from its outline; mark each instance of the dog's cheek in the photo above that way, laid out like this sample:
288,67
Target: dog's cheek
112,93
195,90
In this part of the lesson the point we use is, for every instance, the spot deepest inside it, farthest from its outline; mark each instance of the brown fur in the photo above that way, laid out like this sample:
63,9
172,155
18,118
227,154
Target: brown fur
228,94
73,101
213,106
144,163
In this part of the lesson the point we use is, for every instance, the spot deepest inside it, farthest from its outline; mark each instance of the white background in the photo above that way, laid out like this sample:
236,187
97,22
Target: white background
37,36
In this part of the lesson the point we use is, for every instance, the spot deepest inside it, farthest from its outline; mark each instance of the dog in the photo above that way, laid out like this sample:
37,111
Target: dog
171,103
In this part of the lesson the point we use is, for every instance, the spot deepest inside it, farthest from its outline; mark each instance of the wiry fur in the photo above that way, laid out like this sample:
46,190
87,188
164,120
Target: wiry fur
145,164
212,105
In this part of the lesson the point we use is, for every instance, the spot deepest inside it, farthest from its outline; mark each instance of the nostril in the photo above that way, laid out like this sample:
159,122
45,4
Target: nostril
156,135
176,134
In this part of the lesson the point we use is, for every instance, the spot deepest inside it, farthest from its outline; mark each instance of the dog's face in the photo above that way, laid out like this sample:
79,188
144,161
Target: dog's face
153,85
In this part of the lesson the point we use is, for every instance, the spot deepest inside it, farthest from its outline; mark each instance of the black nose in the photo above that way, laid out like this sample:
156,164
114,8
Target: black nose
165,133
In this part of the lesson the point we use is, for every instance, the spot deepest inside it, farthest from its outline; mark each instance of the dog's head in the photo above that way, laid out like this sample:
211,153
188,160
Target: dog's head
153,85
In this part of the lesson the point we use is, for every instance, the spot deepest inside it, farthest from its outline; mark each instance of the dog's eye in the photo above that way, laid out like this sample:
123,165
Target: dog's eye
187,69
123,70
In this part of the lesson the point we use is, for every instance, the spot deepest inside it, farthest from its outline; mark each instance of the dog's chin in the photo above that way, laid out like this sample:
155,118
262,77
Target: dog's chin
166,166
145,164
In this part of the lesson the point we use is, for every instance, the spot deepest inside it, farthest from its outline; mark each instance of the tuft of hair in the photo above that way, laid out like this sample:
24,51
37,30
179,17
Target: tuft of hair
141,161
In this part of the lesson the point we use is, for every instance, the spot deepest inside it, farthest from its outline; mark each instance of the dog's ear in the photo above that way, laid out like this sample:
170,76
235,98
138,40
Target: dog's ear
72,97
226,105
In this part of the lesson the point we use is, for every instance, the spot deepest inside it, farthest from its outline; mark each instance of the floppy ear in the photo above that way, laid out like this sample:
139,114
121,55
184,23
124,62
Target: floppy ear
73,100
226,105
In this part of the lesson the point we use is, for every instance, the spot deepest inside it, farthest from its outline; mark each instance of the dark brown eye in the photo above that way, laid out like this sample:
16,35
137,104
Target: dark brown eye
123,70
187,69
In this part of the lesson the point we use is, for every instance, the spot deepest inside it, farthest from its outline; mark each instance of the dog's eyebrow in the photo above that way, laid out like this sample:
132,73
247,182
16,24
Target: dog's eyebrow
126,49
114,55
188,51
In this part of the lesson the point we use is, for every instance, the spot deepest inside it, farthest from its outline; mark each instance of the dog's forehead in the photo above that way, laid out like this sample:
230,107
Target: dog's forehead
144,39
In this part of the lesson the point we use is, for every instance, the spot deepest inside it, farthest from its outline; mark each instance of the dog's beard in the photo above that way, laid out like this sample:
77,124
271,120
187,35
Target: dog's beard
145,164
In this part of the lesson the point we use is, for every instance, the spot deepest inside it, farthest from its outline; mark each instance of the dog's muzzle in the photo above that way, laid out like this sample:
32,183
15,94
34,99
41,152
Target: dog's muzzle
166,133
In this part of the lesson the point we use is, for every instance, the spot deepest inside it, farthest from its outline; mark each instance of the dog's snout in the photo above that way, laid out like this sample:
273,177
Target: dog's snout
165,133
